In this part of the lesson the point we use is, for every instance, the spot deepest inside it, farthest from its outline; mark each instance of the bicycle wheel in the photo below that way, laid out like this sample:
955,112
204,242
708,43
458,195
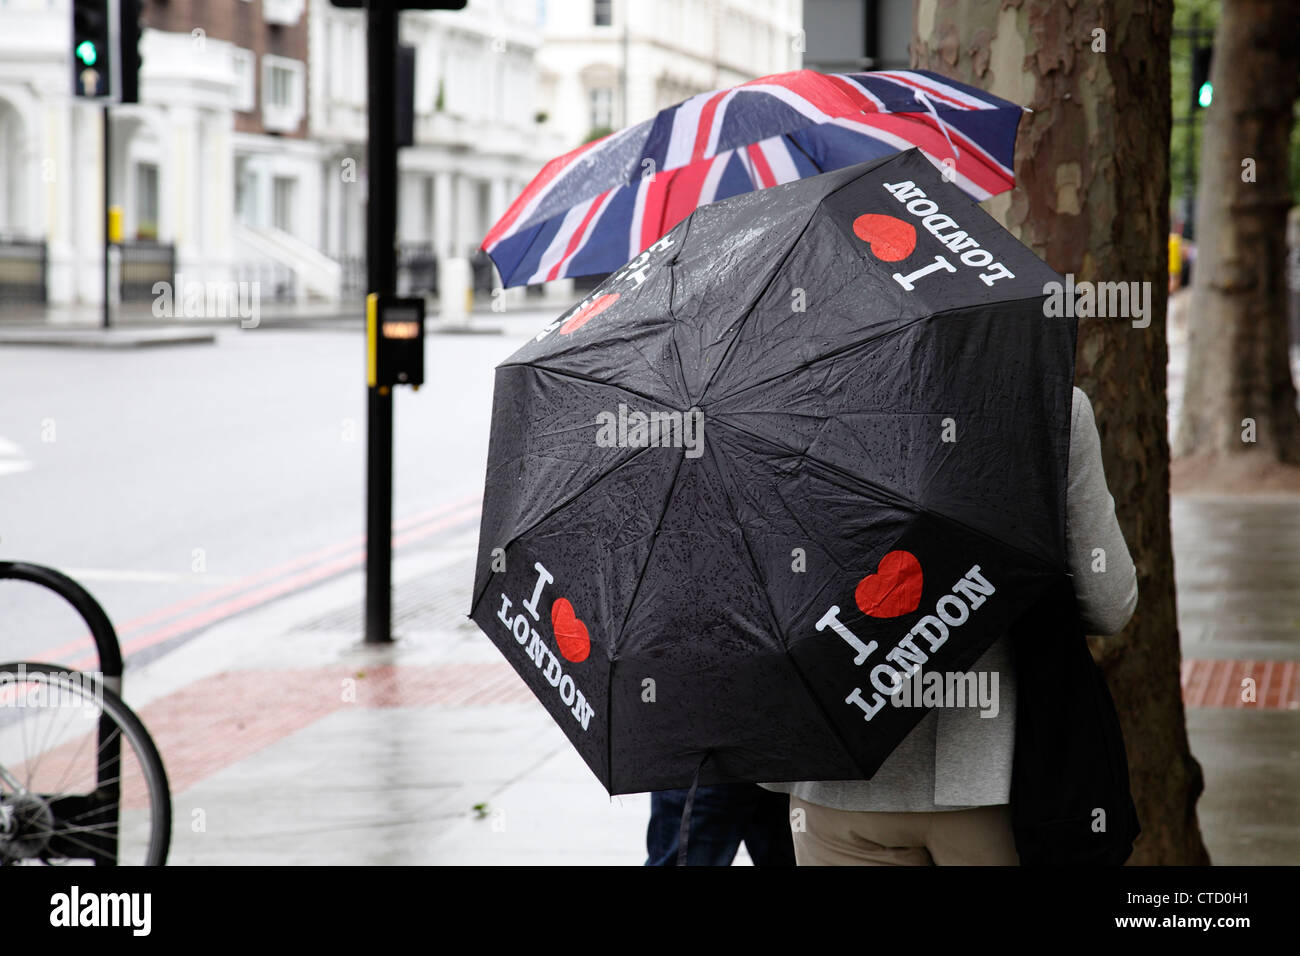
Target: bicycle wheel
81,782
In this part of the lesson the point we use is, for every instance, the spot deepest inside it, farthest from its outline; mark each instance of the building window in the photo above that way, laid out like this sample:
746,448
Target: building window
281,87
243,191
602,13
245,64
282,193
602,108
146,201
283,96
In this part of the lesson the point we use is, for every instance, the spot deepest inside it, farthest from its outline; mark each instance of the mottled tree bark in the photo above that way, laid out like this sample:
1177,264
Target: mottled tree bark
1092,199
1238,369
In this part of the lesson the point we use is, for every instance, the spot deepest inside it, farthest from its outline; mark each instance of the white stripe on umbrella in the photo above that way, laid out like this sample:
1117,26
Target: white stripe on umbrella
560,241
717,166
638,216
967,143
930,84
899,143
748,165
868,126
783,93
776,150
544,190
715,129
686,125
860,88
585,237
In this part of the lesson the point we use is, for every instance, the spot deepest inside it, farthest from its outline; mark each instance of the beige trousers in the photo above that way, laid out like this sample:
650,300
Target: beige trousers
977,837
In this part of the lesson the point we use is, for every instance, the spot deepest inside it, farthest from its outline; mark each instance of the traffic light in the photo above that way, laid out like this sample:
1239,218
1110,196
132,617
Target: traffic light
1202,88
129,42
91,48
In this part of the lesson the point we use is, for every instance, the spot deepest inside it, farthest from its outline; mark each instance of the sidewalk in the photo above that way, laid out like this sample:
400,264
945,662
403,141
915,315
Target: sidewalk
289,741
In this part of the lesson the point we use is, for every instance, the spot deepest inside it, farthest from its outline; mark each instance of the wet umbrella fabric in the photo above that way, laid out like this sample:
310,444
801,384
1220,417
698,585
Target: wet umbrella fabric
858,468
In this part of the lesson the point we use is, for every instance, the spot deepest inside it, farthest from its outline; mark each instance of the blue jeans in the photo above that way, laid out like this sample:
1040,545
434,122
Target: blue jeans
721,817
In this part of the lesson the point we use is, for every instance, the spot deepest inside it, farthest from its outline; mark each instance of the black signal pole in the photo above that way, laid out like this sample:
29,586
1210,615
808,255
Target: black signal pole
107,317
381,274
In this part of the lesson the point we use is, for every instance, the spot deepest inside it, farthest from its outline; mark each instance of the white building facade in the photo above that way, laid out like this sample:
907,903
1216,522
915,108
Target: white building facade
197,193
246,157
606,64
477,137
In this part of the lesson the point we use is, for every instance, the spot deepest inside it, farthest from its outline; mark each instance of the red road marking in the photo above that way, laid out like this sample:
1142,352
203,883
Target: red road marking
1288,682
222,719
293,564
1222,673
1218,684
1266,684
269,592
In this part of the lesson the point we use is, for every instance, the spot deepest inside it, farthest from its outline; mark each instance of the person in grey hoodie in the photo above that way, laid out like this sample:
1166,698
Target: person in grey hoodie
943,796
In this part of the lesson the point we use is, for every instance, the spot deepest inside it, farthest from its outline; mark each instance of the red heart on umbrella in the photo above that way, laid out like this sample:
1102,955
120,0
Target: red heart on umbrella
890,239
588,312
570,633
894,589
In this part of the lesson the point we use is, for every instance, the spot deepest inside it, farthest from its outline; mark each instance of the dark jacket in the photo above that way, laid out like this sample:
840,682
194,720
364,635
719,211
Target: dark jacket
1070,798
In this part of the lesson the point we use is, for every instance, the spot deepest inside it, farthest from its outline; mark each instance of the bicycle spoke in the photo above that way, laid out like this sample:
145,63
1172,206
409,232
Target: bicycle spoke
55,810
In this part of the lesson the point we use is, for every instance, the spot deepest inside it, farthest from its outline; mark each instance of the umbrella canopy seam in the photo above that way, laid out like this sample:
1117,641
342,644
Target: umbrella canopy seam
776,621
861,343
898,501
749,310
536,365
517,535
776,271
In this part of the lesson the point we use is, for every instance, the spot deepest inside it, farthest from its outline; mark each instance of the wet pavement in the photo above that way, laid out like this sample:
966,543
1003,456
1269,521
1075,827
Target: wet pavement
1237,565
289,741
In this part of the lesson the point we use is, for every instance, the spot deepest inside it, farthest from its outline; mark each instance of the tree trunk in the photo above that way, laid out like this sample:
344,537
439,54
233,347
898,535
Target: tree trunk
1092,198
1238,365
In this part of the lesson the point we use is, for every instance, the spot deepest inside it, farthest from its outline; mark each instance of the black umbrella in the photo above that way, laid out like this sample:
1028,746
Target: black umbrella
813,438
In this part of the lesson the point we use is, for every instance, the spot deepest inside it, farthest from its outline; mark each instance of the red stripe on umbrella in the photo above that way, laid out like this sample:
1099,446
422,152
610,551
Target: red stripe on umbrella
705,126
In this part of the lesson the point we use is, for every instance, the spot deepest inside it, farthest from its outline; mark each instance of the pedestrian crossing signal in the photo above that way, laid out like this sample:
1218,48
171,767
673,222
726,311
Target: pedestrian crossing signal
394,341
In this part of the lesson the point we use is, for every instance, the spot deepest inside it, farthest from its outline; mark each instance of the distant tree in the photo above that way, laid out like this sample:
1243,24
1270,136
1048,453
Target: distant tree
1240,401
1092,198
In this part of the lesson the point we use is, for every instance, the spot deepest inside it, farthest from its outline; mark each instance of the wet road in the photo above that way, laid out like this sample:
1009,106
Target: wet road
180,483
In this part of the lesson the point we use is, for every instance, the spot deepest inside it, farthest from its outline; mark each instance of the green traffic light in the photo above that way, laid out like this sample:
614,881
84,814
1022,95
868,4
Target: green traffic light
1205,95
87,53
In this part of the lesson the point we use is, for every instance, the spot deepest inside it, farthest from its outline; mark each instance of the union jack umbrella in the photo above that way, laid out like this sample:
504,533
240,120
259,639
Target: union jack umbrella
598,206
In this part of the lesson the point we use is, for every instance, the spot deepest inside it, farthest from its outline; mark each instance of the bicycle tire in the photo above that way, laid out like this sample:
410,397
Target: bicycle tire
133,730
